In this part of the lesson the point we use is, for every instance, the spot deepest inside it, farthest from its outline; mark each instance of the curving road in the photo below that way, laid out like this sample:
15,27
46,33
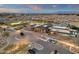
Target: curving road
36,38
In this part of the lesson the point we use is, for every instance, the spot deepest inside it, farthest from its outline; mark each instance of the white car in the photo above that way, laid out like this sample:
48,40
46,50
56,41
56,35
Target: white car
43,39
49,39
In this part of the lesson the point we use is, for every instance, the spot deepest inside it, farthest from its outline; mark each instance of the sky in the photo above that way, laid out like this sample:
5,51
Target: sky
39,8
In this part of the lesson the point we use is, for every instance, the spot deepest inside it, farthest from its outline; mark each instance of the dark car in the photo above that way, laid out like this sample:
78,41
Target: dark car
32,51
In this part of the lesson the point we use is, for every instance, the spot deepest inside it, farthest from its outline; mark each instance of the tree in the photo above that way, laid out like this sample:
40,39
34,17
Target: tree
22,34
74,27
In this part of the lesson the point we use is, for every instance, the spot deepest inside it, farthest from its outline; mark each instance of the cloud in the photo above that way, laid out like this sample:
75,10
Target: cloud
38,7
9,10
35,7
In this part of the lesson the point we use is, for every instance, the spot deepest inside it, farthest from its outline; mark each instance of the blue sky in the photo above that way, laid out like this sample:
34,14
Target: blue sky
39,8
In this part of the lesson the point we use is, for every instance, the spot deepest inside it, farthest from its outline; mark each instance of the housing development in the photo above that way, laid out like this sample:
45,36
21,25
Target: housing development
39,33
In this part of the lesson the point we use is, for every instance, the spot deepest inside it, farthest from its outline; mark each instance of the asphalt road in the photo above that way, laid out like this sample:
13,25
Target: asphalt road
34,37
